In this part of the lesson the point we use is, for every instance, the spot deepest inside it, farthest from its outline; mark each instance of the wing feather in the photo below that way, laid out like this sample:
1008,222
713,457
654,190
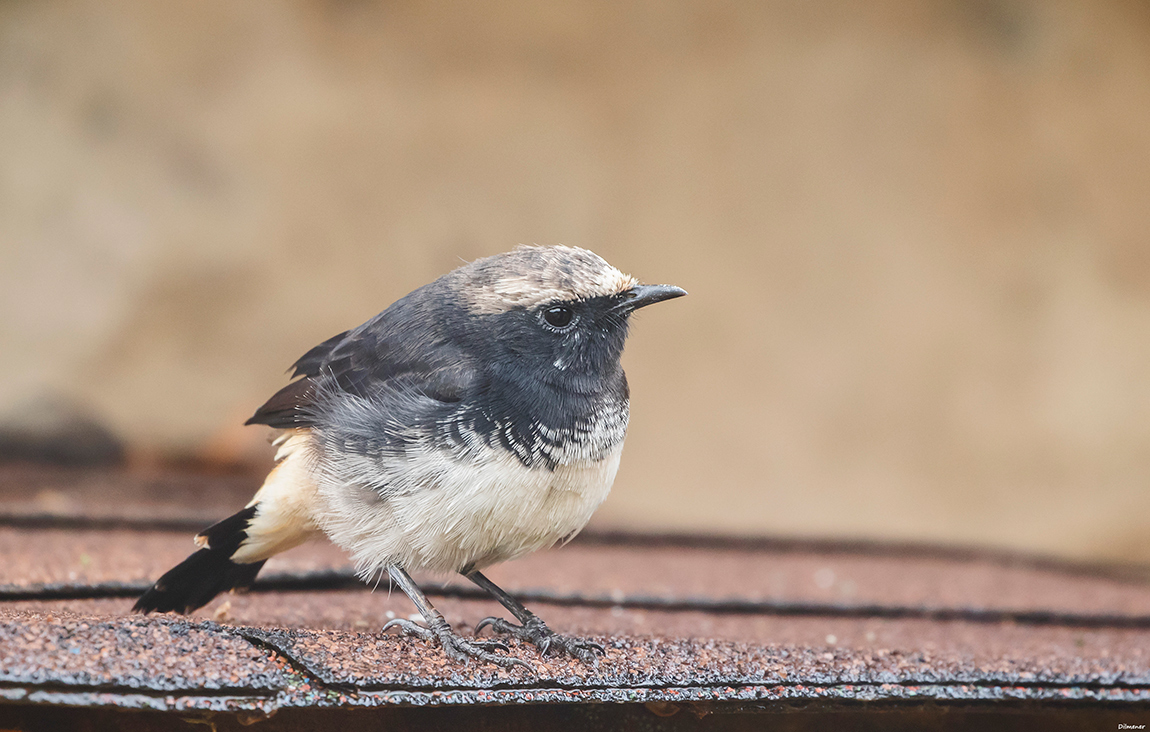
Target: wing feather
364,362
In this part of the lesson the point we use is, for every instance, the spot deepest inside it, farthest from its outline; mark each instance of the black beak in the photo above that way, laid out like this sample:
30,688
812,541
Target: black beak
640,296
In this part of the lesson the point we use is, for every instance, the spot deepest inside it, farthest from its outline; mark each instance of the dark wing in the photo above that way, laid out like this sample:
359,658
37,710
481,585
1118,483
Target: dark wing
362,362
283,409
309,363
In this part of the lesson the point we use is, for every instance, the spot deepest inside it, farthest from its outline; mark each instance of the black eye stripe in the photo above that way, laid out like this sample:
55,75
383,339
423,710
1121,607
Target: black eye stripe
558,316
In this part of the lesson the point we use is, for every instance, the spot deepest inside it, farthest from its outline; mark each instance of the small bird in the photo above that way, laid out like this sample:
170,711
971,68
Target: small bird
475,420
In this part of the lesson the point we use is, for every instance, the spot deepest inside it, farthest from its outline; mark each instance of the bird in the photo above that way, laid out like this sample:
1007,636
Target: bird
475,420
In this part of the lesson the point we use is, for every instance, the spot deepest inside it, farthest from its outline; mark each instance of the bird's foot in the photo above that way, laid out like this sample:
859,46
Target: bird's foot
545,639
457,648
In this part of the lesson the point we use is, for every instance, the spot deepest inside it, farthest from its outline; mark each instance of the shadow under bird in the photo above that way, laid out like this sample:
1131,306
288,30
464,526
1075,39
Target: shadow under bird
475,420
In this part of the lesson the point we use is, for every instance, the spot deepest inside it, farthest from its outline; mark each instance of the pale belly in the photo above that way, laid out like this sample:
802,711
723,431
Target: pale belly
447,515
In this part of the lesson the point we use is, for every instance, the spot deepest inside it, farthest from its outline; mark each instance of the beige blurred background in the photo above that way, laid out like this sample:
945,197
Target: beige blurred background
914,234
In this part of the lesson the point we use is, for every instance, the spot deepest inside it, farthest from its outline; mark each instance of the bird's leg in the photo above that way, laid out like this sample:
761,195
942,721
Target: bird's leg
437,629
532,628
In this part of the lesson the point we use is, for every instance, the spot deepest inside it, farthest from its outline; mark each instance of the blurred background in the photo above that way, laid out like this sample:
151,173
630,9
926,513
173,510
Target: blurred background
914,234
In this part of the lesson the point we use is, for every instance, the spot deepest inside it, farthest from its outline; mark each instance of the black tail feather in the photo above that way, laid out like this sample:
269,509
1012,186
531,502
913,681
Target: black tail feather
195,581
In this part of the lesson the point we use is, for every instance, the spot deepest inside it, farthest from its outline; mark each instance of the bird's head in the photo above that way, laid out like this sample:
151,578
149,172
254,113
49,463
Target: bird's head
560,313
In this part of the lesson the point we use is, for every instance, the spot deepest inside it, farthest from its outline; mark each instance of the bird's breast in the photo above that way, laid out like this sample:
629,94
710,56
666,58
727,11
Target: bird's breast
482,499
549,437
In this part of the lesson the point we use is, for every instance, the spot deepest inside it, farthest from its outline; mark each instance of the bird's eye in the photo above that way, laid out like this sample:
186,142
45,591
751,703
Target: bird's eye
558,316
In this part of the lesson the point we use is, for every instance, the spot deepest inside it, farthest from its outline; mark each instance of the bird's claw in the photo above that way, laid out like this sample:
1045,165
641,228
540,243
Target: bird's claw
407,627
537,632
457,648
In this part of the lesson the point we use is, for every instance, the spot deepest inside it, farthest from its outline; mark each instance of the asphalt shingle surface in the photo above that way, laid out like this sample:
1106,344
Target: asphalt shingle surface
681,623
